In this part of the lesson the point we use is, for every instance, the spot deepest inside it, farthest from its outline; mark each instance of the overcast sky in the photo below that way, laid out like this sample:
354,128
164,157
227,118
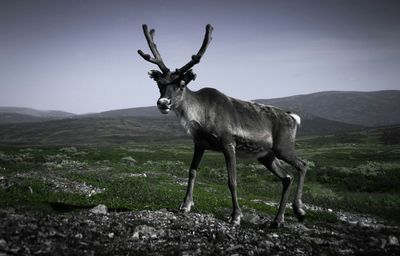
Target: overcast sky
81,56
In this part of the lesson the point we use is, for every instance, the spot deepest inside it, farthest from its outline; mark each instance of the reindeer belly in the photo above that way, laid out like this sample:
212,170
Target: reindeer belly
248,145
253,147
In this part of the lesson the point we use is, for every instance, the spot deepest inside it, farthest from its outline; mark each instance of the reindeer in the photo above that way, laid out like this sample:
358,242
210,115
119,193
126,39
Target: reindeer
228,125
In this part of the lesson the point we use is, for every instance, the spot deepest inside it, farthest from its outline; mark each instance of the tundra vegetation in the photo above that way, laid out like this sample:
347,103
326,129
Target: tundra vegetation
353,180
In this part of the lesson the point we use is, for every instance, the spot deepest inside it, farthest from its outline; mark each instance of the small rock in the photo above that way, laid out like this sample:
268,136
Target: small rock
111,235
99,209
363,224
266,244
220,235
3,243
129,161
138,175
393,241
79,235
144,231
253,218
15,250
383,243
373,241
236,247
302,227
347,251
273,235
316,240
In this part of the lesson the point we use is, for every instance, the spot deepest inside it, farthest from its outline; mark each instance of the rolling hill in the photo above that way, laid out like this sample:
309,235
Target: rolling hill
322,113
376,108
134,112
24,115
95,131
91,131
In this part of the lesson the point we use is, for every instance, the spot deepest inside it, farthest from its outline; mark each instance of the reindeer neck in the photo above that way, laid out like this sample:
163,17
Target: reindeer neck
190,109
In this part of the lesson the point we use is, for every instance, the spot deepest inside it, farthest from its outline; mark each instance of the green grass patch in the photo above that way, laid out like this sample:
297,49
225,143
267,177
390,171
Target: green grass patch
353,172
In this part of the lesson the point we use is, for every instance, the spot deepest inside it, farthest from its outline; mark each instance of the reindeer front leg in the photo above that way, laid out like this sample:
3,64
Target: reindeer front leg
188,201
230,158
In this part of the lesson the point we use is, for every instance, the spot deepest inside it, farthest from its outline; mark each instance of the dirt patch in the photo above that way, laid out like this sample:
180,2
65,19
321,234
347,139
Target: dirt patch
173,233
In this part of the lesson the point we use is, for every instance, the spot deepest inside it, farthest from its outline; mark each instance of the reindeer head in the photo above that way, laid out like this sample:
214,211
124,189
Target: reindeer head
172,84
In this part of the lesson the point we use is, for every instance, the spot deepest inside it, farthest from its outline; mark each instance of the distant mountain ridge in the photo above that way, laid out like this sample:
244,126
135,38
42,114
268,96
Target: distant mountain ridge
35,112
91,131
95,131
133,112
26,115
376,108
321,113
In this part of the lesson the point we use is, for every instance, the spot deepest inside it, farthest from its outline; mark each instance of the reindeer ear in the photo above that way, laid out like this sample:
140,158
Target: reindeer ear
155,74
188,77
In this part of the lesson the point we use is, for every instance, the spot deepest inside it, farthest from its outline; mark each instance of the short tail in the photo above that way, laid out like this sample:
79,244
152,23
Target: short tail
296,118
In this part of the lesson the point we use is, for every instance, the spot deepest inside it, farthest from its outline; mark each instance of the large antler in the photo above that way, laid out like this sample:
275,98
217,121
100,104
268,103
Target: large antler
153,47
196,58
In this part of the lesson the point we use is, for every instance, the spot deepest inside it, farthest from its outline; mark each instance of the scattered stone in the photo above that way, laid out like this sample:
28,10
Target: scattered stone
144,175
393,241
233,248
251,217
220,235
153,233
383,243
99,209
3,182
346,251
144,231
129,161
3,243
302,227
266,244
316,240
273,235
363,224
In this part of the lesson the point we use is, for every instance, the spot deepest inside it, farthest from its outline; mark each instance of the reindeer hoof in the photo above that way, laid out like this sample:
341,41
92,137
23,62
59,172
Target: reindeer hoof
235,219
277,224
235,222
186,207
299,213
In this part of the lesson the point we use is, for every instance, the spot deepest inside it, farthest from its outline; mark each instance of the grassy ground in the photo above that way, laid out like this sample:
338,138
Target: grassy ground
352,172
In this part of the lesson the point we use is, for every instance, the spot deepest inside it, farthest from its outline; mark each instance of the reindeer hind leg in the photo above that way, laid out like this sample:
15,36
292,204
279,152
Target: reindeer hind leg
289,156
274,165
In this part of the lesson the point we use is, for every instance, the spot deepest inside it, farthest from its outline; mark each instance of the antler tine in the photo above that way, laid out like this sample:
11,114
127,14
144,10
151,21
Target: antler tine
153,47
196,58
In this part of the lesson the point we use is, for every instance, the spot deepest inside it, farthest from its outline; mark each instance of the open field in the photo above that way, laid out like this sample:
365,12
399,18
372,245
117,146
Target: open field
353,179
354,172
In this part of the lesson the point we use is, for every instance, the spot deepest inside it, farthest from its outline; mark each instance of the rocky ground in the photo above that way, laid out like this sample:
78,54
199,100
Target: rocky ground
99,231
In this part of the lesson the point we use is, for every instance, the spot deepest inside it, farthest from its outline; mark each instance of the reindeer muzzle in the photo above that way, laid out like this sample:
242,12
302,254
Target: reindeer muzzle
164,105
